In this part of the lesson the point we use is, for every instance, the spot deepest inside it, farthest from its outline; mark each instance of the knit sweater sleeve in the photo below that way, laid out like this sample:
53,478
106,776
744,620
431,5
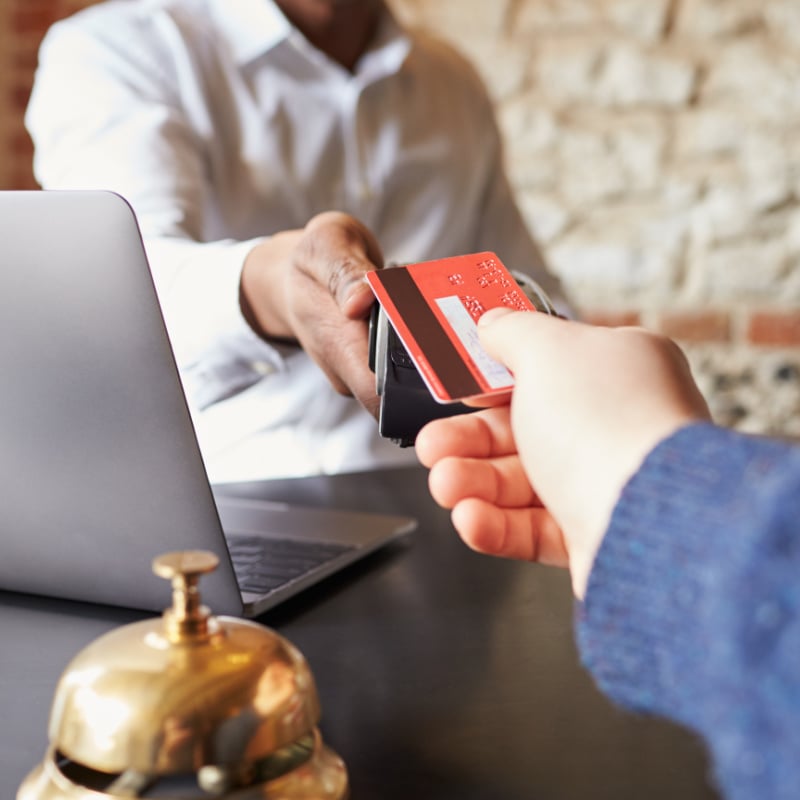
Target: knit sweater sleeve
693,605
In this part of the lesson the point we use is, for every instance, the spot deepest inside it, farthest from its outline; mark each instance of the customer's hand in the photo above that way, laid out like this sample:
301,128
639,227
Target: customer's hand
538,480
307,286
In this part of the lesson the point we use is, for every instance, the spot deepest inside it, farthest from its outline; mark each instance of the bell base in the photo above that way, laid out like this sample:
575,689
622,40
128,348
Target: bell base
321,777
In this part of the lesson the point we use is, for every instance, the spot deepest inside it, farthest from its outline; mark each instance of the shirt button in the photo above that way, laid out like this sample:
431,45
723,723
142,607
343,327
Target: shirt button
262,368
365,191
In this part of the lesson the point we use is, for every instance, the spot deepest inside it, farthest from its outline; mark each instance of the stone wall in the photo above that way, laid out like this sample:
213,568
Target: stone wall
653,146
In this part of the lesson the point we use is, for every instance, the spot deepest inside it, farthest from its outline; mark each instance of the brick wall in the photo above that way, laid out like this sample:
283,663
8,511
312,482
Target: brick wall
653,146
22,24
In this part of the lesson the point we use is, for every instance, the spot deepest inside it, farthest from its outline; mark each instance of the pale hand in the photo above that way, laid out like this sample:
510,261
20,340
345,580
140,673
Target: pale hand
538,480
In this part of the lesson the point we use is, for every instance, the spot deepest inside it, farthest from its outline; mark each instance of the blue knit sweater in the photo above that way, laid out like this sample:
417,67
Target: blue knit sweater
693,605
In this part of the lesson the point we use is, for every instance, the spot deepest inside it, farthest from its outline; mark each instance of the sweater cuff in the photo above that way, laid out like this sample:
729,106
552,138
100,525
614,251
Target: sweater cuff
655,587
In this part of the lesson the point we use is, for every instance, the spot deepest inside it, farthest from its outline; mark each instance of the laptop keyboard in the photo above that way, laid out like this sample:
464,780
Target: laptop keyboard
263,565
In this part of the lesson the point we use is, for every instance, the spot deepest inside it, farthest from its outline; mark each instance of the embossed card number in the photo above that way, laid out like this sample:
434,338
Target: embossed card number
434,307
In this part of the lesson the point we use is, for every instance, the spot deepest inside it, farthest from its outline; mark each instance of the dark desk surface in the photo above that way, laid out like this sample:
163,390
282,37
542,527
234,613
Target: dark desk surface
442,673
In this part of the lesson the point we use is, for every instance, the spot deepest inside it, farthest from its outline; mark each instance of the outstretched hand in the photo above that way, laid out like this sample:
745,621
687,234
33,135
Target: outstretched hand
477,471
308,286
538,479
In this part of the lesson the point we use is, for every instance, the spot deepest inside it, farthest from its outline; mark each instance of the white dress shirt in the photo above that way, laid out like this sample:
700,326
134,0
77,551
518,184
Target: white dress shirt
221,124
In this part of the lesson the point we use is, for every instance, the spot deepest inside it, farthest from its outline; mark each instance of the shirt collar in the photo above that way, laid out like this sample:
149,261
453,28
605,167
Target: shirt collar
251,27
254,27
388,50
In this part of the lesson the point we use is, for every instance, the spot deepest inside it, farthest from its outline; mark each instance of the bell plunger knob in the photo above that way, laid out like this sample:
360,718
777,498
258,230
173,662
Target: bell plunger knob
188,619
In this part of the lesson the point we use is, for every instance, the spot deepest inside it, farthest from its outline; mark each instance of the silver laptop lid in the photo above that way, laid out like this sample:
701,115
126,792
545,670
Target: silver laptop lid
99,465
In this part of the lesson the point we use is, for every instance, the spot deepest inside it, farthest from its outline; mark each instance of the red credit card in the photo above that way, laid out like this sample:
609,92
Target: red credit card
434,307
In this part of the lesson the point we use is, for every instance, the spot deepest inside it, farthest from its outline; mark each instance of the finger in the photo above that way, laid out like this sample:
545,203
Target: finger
336,251
501,331
481,434
526,534
340,349
500,481
488,400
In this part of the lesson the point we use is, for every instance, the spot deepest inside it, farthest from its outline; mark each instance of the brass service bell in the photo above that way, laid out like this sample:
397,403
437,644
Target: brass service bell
187,706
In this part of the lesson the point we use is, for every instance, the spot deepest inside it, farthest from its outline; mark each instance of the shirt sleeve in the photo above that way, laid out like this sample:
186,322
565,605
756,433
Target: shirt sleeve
105,114
693,605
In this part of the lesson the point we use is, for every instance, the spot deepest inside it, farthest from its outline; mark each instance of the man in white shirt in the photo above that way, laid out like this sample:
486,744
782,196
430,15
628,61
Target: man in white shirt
273,151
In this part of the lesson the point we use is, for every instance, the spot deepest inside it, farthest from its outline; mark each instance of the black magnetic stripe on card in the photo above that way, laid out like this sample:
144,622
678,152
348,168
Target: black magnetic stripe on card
432,339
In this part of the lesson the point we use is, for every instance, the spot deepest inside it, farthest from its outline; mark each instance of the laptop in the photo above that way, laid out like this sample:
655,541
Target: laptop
100,470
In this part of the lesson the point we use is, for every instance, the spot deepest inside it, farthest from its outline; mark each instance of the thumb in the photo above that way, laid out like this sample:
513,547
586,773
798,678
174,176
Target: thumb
520,338
492,315
337,250
501,332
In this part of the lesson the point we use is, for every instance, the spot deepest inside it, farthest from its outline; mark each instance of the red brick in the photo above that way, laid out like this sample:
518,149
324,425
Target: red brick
18,99
26,20
21,177
25,60
696,326
20,143
611,319
776,328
